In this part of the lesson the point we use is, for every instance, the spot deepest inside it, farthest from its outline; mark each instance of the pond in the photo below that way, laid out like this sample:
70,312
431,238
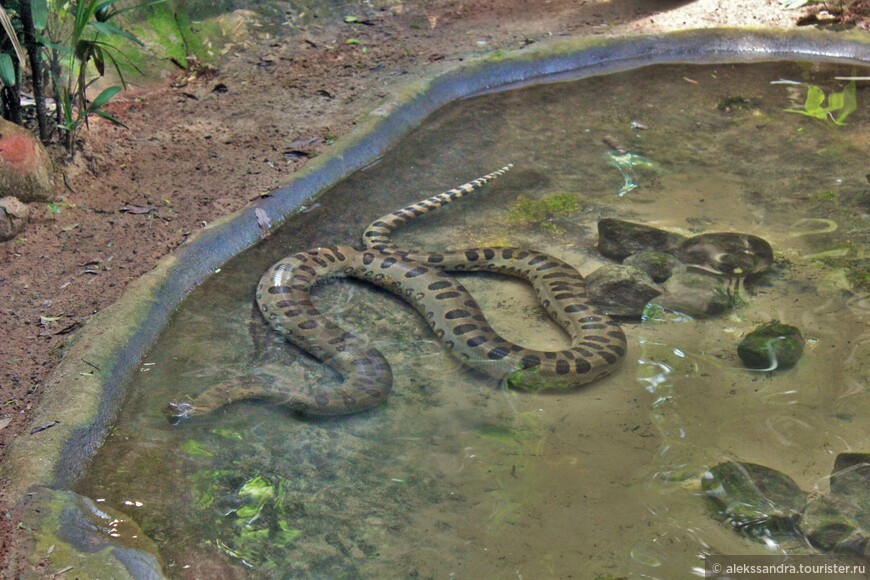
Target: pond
455,476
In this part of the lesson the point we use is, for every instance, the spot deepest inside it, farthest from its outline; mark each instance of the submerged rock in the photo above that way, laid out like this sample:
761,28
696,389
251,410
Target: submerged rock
835,523
659,265
13,218
753,498
851,474
697,295
74,533
727,254
621,290
771,346
618,239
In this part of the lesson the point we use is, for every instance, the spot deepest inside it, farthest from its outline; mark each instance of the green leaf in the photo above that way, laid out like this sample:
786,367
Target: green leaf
7,69
39,13
351,19
850,103
104,97
353,41
194,447
109,117
815,98
112,30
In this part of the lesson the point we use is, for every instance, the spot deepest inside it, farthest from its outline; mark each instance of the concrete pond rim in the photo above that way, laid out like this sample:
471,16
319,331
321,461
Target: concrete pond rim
83,395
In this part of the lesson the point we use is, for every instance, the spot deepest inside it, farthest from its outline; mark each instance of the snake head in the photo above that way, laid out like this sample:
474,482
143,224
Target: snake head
177,411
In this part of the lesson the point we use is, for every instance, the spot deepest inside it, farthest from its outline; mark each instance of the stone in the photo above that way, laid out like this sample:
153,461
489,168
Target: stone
771,346
753,498
618,239
696,295
71,532
26,169
621,290
13,218
851,474
659,265
727,254
838,524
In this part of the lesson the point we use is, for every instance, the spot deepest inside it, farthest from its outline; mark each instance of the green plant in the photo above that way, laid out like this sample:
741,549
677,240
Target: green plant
841,103
80,39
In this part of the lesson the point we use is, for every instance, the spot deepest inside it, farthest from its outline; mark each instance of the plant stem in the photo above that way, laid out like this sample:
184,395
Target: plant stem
35,53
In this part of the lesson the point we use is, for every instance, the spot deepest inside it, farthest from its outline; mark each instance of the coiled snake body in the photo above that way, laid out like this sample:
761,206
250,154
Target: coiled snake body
422,279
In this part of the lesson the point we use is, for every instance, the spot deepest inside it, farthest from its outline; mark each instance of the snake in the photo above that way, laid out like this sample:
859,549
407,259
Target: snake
422,279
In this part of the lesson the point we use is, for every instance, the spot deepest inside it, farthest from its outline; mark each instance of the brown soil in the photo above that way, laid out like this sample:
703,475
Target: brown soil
203,146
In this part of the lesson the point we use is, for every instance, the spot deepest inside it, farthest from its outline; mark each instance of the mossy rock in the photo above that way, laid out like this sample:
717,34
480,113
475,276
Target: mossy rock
727,254
838,524
771,346
619,239
755,499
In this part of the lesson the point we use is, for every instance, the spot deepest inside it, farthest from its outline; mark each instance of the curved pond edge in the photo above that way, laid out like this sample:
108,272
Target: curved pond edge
83,395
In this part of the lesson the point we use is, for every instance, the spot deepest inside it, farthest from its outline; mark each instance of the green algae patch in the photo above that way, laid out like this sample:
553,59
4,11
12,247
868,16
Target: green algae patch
69,532
545,211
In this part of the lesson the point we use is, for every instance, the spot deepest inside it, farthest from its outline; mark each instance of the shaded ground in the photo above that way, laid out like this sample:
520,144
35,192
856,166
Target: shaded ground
200,148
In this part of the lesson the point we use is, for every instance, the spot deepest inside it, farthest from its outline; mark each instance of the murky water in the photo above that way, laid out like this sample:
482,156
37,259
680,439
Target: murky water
456,478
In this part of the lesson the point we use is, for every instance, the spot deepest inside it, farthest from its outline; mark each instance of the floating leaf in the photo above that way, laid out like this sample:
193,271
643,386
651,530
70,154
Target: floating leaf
353,41
194,447
351,19
842,103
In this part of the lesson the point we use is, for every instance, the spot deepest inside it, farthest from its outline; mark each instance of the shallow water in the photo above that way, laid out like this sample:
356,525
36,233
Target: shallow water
453,477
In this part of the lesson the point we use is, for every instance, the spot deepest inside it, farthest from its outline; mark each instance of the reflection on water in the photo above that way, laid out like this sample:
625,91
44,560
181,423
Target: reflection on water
455,477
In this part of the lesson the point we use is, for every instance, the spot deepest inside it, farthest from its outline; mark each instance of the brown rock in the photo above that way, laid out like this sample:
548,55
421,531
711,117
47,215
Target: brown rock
13,217
26,170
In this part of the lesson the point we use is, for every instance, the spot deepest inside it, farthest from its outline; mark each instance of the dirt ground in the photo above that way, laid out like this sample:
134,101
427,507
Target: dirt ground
199,148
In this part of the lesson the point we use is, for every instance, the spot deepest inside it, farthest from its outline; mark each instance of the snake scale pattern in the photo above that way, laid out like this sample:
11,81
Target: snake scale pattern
423,280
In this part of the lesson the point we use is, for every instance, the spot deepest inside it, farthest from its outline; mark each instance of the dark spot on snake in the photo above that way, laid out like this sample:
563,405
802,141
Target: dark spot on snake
507,253
308,324
562,367
564,296
435,258
537,259
463,329
530,361
388,262
446,295
497,353
594,338
418,271
582,366
471,255
576,308
597,326
279,290
608,356
488,253
454,314
617,349
549,355
368,258
476,341
320,261
547,266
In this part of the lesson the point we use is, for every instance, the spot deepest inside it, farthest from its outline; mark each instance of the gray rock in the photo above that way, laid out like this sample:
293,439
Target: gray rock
13,218
659,265
851,474
755,499
96,540
621,290
771,346
838,524
695,294
727,254
618,239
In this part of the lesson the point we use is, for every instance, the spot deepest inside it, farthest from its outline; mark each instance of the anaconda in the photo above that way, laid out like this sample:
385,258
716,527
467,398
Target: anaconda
423,280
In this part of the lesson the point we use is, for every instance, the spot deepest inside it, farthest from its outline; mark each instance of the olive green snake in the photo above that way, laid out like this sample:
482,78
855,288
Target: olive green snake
423,280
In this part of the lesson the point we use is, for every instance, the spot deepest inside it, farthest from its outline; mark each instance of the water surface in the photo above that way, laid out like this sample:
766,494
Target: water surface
454,477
